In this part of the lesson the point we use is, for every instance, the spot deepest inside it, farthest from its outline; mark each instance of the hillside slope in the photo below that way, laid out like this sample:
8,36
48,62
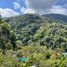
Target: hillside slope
39,30
7,37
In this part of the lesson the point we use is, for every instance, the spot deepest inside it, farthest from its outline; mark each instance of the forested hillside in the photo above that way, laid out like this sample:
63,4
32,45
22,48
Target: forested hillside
33,40
7,36
33,29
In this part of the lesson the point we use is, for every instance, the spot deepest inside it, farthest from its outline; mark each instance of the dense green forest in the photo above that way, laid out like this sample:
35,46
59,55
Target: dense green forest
33,40
7,36
39,30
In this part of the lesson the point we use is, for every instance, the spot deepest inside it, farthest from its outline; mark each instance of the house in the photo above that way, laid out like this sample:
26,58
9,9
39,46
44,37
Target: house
23,59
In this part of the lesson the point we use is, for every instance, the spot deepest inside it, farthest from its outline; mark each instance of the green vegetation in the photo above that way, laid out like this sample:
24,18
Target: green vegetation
40,40
39,30
7,37
39,56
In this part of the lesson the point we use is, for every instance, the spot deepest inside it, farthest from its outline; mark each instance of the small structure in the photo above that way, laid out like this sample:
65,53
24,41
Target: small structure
23,59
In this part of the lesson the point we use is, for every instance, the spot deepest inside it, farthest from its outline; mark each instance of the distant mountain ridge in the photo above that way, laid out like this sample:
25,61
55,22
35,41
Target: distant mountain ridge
55,17
58,17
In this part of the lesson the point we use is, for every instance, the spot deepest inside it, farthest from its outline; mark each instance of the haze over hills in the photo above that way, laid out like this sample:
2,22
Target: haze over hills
59,17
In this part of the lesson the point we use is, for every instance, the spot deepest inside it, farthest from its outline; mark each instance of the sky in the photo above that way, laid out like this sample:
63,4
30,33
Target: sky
9,8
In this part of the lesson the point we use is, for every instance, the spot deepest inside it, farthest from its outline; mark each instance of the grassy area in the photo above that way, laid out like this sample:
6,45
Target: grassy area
38,55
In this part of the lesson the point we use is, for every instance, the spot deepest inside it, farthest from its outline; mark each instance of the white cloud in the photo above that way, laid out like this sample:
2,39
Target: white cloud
16,5
8,12
29,11
40,4
45,7
58,9
22,10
